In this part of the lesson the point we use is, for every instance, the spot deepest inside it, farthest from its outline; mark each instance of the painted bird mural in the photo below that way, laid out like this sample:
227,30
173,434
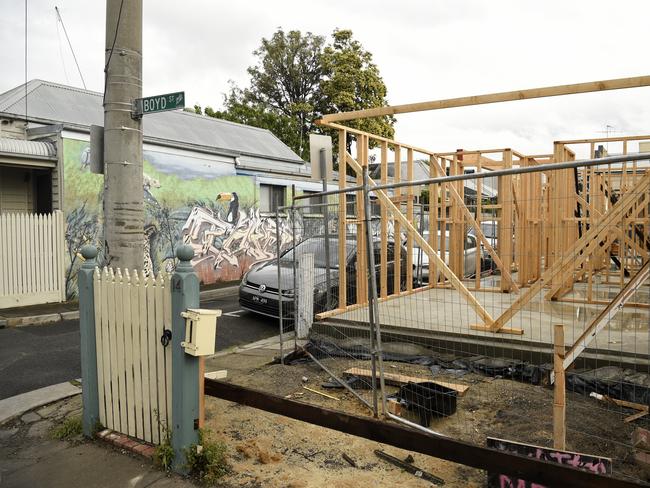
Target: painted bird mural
232,216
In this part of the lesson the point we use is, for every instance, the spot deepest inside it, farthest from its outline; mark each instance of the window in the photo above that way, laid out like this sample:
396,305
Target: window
272,197
314,203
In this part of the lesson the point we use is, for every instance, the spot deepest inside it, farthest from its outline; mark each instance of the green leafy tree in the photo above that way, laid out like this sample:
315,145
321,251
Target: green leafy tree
298,78
353,82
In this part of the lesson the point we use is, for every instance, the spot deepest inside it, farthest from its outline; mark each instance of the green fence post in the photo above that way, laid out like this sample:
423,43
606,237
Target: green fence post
185,368
89,393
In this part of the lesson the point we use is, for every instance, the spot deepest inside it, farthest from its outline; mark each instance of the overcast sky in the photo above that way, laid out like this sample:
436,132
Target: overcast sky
425,50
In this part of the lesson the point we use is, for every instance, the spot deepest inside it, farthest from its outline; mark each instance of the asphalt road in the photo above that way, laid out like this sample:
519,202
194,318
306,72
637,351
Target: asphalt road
36,356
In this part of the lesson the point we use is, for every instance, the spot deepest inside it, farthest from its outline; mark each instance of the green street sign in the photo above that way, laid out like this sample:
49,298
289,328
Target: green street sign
158,103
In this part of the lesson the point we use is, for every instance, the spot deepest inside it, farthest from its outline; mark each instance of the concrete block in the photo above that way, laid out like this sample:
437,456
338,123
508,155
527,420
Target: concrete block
30,417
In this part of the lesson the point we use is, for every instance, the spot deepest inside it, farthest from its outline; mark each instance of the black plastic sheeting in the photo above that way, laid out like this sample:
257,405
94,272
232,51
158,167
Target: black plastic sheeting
613,381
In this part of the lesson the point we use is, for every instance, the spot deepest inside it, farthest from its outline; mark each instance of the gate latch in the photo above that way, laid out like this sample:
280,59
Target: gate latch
166,337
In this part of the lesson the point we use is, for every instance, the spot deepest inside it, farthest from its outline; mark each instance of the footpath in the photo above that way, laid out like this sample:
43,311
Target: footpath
43,447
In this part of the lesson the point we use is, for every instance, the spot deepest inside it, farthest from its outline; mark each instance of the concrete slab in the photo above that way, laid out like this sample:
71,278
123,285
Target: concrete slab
13,407
446,311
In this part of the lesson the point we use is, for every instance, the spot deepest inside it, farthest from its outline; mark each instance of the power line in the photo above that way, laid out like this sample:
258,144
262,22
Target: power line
25,67
58,37
110,54
70,44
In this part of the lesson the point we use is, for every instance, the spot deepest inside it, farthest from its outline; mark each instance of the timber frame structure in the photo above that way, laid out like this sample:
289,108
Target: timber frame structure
556,228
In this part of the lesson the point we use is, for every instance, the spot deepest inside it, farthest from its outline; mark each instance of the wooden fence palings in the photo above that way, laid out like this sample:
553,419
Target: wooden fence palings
134,370
32,259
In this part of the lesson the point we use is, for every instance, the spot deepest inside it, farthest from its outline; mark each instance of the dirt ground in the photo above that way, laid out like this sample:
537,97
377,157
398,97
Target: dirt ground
267,450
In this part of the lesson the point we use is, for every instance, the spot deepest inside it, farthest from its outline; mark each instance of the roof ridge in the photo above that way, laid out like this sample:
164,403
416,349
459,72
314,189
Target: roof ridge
230,122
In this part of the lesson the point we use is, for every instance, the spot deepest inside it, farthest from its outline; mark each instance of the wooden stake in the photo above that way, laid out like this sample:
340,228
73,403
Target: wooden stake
559,391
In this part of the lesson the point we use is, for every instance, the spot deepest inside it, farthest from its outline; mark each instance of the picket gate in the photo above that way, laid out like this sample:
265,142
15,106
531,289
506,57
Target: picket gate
31,259
133,367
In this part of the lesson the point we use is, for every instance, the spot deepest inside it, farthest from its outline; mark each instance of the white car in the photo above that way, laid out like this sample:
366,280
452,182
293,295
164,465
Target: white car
421,258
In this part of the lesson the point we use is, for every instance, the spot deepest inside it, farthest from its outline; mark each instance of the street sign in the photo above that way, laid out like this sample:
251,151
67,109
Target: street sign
158,103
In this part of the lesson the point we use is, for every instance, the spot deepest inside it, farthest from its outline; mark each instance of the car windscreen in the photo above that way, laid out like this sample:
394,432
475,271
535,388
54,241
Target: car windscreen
317,248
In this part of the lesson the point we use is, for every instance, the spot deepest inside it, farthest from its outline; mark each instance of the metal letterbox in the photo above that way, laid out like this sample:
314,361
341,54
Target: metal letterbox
200,331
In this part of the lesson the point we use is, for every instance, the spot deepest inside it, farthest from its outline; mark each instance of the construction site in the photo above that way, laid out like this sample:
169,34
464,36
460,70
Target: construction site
500,300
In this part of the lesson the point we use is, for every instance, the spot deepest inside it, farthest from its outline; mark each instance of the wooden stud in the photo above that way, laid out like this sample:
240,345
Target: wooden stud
397,232
383,261
409,216
343,230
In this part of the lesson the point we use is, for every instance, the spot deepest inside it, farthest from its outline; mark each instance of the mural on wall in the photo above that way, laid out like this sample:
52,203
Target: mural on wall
198,201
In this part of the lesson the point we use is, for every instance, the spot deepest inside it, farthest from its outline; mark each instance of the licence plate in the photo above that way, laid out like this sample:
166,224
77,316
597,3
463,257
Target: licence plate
261,300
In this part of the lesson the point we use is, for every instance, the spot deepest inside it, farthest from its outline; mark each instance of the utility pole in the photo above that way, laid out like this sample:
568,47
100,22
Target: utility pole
123,194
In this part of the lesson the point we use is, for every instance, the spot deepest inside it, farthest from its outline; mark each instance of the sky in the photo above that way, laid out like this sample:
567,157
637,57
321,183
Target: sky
425,50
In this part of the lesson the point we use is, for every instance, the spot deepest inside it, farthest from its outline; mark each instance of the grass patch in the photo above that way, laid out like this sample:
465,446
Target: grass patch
207,460
69,428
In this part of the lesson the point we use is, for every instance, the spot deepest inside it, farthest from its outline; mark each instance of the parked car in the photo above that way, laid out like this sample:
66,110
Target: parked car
490,231
259,291
471,253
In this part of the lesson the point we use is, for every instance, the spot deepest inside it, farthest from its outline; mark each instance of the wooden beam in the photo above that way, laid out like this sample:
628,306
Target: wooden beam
400,379
550,91
603,318
426,247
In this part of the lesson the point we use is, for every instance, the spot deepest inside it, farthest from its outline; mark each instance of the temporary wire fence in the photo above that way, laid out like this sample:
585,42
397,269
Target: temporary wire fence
480,293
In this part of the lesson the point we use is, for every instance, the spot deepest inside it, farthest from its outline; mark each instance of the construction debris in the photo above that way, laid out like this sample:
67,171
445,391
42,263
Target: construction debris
409,468
350,461
400,379
321,393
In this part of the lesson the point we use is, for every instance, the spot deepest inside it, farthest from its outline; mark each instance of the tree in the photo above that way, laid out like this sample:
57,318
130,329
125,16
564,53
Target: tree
353,82
297,79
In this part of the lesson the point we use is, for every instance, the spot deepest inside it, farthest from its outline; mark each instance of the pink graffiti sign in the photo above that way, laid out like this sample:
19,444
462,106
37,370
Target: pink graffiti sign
586,462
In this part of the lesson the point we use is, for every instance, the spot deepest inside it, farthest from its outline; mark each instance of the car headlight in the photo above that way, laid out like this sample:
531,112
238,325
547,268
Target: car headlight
244,281
320,288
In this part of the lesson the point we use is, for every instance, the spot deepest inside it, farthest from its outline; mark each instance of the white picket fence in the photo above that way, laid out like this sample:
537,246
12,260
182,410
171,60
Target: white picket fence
32,250
133,368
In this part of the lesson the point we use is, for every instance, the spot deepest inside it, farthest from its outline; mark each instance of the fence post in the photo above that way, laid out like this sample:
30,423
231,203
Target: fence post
89,392
559,389
185,368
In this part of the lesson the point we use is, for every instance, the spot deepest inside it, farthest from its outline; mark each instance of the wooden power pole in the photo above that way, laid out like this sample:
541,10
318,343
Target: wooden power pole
123,194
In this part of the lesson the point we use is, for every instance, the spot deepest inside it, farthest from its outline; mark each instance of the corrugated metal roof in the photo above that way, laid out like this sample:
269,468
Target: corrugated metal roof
56,103
39,149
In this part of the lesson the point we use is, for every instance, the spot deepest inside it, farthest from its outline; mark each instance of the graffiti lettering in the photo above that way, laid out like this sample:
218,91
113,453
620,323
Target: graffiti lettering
595,464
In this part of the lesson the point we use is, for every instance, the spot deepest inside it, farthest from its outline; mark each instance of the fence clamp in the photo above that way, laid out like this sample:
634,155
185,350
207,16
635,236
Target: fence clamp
200,331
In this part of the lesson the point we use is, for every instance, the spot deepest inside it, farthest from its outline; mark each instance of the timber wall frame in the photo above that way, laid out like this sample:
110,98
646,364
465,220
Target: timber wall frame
603,212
